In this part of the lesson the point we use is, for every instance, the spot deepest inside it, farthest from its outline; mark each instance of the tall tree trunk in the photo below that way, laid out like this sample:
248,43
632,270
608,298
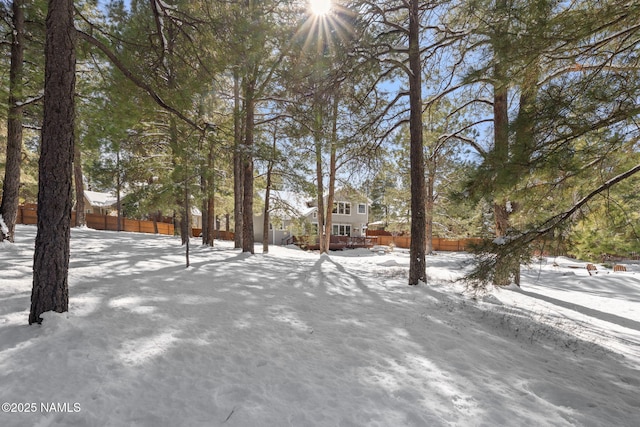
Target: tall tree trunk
265,234
204,189
185,219
81,217
211,193
417,261
155,217
11,184
324,235
208,204
51,258
247,205
501,213
211,229
237,163
186,223
322,232
328,220
501,145
118,191
431,177
332,171
265,222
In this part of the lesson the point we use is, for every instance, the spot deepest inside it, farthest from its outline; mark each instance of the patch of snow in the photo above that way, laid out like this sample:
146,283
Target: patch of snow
294,338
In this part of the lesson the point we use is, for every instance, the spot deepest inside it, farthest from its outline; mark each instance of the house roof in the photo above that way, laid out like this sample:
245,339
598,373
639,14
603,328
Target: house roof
343,194
287,204
348,190
100,200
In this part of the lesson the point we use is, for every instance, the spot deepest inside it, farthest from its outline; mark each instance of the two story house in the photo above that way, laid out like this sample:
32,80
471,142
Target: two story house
350,214
287,212
292,214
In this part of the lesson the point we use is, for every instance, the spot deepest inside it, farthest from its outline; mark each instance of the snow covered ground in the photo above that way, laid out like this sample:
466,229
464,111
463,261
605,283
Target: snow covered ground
296,339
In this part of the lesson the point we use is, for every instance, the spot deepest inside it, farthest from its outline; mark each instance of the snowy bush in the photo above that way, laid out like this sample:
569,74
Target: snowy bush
497,263
3,227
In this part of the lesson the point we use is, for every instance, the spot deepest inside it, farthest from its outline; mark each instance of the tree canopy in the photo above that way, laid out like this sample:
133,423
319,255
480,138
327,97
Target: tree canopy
514,120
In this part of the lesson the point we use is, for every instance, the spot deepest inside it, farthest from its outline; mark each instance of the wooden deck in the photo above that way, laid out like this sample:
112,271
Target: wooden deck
337,243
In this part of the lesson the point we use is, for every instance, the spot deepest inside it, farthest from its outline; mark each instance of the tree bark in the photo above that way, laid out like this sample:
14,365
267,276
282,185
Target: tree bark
332,172
503,173
324,235
208,204
204,188
186,222
431,177
500,211
247,205
265,222
156,215
211,207
81,218
11,184
51,258
322,238
237,163
417,262
265,234
118,191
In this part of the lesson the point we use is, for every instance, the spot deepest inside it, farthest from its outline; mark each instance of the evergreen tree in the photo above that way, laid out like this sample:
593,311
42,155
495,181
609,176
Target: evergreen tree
51,258
570,66
11,183
397,43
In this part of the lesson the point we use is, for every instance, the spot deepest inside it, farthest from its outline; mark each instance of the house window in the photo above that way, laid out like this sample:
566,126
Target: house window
342,208
341,230
314,229
315,214
362,208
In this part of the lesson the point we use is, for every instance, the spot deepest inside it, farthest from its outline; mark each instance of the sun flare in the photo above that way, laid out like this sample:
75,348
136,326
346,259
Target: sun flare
320,7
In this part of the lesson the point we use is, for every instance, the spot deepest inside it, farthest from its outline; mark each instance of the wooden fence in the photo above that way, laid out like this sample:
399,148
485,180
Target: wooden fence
27,214
217,234
438,243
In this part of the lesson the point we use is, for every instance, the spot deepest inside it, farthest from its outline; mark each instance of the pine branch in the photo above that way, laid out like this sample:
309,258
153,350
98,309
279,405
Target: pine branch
136,80
556,220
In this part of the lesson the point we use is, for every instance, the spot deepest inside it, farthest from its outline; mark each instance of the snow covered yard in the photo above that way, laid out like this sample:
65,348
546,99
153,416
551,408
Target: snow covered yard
293,338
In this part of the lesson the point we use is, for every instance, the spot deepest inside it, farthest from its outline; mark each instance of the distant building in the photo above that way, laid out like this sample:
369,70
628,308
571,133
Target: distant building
196,217
287,211
100,203
293,214
350,213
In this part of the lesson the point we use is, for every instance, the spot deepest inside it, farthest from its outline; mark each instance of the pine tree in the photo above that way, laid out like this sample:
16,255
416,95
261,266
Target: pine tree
398,30
11,183
51,259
